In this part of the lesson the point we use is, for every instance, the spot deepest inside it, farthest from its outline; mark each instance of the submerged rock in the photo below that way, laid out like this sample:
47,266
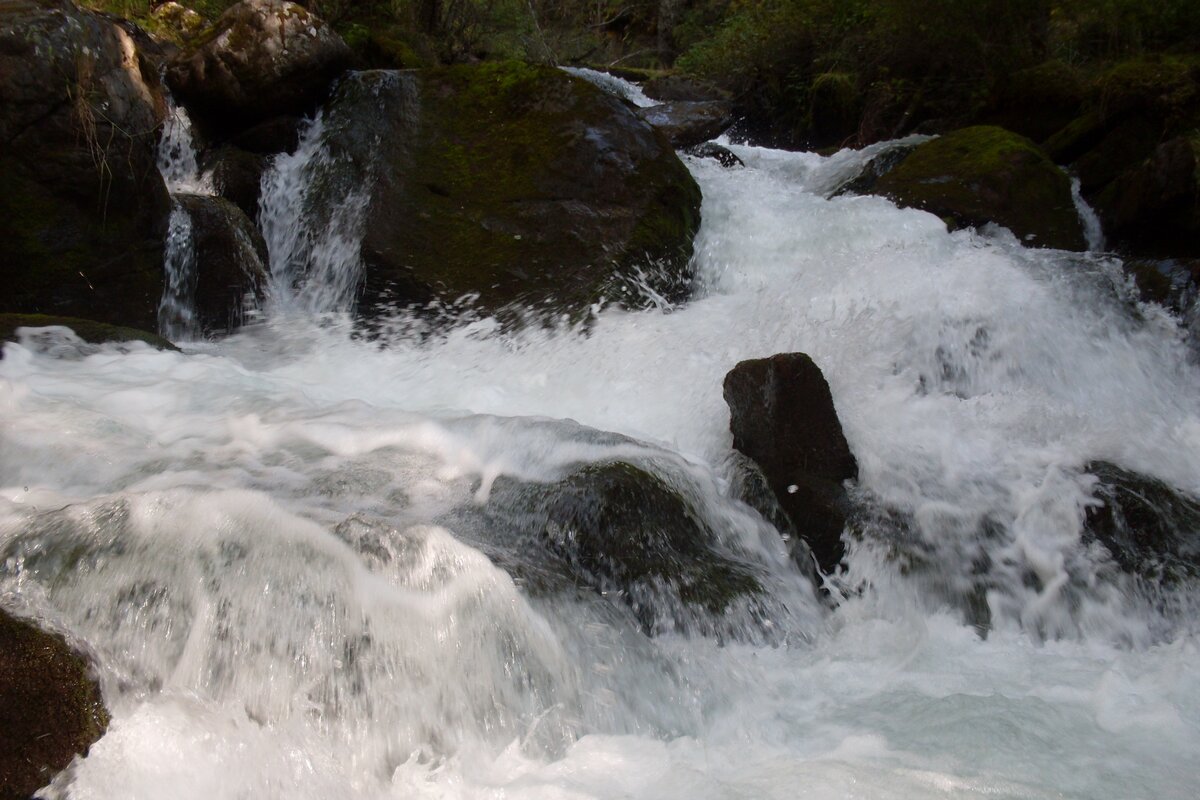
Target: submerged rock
621,529
687,124
723,155
50,707
261,59
83,209
782,417
230,259
517,185
86,330
986,174
1150,528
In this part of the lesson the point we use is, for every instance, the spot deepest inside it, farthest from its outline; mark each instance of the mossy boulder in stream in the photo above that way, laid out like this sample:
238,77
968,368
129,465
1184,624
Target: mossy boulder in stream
513,184
986,174
623,530
83,209
50,707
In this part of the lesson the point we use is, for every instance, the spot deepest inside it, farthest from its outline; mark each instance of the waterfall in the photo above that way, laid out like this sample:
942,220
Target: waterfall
314,247
1092,232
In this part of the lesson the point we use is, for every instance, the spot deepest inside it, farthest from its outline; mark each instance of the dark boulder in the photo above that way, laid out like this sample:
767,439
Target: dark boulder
83,209
1154,207
686,124
515,184
229,263
237,176
782,417
260,59
50,707
1148,527
621,529
984,174
726,157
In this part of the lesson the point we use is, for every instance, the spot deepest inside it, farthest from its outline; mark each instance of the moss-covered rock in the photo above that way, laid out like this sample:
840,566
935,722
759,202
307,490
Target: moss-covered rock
83,209
50,707
621,529
260,59
87,330
516,184
987,174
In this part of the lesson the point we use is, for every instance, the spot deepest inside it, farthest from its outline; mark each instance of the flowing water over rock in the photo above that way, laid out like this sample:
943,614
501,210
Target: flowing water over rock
308,570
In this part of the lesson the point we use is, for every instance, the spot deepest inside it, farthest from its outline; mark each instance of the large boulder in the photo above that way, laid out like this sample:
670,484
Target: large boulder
511,183
227,258
1150,528
984,174
621,529
50,707
783,418
1154,206
83,209
237,176
260,59
688,123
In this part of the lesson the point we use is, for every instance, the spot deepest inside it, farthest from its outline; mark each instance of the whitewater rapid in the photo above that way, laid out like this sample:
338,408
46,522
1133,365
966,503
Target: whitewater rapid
268,542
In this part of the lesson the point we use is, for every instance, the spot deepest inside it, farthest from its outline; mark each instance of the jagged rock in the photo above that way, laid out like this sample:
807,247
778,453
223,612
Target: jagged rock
618,528
724,155
83,209
782,417
986,174
230,259
689,123
1150,528
237,176
261,59
515,184
50,707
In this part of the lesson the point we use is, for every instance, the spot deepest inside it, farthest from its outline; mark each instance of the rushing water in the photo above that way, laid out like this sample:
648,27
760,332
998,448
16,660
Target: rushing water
270,545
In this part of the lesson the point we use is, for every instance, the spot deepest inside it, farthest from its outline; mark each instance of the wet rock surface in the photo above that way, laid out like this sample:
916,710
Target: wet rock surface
984,174
783,418
83,209
50,707
261,59
510,184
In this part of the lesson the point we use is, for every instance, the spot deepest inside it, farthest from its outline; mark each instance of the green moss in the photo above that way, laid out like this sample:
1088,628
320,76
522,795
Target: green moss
88,330
987,174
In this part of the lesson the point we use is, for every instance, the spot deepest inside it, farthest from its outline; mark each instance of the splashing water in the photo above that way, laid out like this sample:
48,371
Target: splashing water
272,542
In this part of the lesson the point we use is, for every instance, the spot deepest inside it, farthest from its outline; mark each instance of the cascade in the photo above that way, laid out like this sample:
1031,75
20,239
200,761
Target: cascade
308,565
